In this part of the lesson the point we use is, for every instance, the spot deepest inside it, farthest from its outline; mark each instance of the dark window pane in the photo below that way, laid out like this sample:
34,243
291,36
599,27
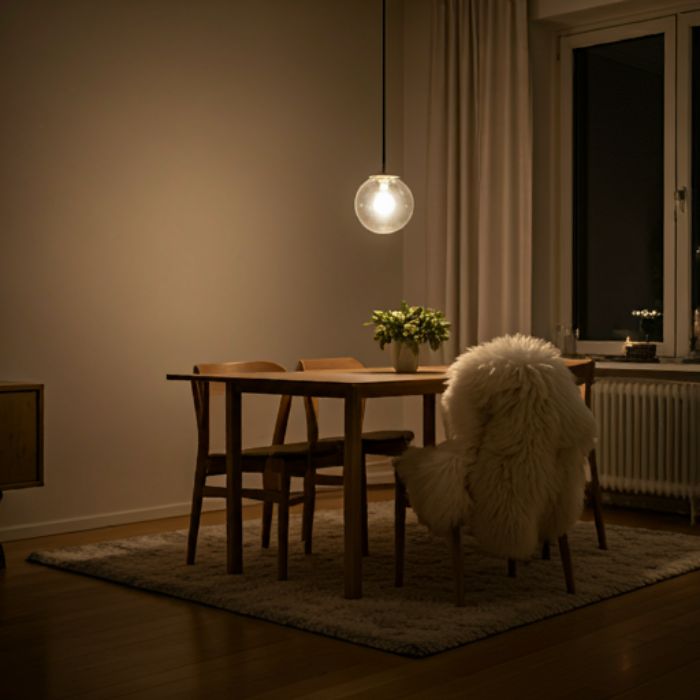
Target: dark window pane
618,188
695,187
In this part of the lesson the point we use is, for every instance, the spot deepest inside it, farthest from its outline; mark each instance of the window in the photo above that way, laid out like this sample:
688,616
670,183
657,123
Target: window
630,182
618,148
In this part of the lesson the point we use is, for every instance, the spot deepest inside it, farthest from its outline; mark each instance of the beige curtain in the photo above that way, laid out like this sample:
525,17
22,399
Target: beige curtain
479,180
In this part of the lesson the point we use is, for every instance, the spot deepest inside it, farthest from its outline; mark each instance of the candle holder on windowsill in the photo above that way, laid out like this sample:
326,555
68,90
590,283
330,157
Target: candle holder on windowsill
643,351
640,352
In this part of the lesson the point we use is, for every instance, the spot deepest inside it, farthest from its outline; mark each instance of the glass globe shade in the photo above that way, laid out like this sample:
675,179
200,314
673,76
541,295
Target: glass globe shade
384,203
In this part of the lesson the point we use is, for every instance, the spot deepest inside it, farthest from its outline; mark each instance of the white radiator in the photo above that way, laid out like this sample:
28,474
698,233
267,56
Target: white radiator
648,436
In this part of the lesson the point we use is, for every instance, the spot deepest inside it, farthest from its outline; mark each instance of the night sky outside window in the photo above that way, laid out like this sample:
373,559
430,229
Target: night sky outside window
618,209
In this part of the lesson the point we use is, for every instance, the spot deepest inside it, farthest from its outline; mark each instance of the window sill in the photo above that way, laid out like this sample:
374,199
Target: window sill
667,368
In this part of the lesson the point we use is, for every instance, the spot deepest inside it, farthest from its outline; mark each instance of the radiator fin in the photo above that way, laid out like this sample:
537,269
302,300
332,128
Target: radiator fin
648,436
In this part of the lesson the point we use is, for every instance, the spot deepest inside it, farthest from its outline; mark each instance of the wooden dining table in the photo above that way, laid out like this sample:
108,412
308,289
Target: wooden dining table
353,386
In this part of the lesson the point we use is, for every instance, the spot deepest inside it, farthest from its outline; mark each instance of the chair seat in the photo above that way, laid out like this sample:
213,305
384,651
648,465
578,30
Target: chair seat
386,442
377,442
255,458
288,450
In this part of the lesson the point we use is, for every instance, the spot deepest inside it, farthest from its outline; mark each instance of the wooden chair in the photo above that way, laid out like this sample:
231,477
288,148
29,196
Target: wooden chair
583,371
387,443
277,463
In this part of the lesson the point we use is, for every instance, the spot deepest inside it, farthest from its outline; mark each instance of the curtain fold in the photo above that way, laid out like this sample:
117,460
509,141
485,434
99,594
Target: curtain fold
479,180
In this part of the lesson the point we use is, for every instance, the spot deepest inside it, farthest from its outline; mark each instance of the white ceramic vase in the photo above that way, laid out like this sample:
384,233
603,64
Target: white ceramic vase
403,357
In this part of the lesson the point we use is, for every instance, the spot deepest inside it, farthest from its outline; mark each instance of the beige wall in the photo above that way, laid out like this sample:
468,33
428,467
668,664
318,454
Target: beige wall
176,186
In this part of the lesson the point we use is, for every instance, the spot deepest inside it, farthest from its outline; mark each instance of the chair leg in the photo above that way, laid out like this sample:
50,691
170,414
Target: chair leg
307,520
457,565
200,477
266,523
272,483
283,527
512,568
565,555
365,516
597,501
399,530
546,554
2,551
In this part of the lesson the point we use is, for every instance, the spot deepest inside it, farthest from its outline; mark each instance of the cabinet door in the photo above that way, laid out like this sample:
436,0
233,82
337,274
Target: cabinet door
21,459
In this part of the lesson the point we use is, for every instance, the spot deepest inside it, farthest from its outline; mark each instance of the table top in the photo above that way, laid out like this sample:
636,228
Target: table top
369,381
366,382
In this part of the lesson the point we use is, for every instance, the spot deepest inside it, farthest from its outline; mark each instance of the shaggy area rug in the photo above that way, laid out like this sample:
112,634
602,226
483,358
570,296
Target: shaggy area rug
417,620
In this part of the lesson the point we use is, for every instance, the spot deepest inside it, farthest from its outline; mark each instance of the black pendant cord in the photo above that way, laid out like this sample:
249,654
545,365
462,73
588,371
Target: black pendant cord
383,87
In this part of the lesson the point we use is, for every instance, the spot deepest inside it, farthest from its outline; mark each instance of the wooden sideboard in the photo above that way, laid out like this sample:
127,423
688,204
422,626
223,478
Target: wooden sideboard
21,437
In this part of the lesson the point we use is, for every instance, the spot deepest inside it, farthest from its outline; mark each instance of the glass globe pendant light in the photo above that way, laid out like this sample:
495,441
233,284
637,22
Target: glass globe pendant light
384,203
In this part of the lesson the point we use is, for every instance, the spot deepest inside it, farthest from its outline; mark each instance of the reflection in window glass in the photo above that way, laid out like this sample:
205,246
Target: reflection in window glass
618,188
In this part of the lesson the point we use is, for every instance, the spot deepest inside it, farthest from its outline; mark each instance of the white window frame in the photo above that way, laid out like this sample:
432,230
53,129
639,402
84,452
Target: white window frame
686,22
667,27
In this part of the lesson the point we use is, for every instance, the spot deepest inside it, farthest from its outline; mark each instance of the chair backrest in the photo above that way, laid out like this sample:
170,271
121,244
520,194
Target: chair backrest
202,391
516,405
311,403
584,372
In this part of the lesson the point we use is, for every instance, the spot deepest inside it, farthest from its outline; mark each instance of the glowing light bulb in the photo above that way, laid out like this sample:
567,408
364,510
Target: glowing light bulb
384,203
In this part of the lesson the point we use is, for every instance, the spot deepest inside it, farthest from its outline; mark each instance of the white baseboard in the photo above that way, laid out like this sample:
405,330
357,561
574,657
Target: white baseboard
92,522
378,473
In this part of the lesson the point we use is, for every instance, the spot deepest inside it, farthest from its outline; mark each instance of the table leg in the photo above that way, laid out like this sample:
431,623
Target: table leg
428,419
234,481
352,495
2,551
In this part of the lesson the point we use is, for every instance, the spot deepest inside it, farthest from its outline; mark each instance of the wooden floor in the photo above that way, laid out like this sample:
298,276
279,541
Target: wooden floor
68,636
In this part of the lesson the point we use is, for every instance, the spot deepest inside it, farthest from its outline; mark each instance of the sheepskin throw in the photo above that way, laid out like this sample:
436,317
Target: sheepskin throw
512,469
